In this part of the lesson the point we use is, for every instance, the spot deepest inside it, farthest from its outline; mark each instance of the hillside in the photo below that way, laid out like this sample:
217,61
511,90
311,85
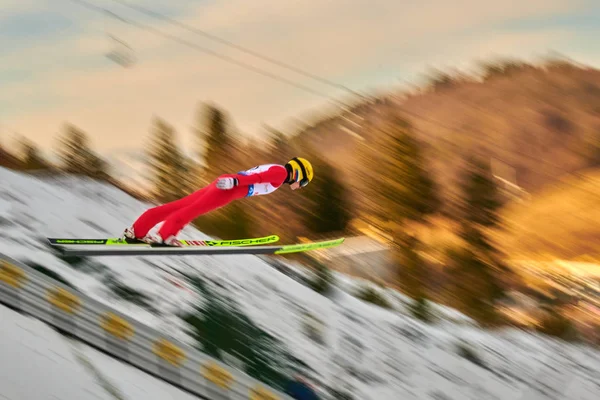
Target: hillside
536,124
562,220
541,121
339,341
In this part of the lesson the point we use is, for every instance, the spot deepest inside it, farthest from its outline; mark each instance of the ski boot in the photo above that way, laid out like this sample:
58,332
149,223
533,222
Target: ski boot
173,241
157,239
129,234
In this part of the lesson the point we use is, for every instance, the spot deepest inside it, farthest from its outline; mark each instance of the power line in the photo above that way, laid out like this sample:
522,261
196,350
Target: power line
236,46
292,68
208,51
278,78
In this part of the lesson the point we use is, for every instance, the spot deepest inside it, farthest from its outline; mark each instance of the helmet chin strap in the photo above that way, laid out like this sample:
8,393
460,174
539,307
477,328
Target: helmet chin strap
290,172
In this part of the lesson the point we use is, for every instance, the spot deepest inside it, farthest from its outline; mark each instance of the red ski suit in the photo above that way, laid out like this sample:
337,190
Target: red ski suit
179,213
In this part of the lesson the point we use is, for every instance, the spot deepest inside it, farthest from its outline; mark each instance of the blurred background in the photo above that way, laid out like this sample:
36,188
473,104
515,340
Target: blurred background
456,146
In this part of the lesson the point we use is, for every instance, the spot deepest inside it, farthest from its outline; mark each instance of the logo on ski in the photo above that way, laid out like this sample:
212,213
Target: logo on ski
81,241
240,242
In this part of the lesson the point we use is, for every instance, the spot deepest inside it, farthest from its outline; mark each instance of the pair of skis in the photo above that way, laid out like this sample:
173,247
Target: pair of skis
127,247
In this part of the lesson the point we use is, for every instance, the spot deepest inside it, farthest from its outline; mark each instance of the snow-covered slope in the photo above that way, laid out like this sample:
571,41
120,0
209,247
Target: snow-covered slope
357,347
38,363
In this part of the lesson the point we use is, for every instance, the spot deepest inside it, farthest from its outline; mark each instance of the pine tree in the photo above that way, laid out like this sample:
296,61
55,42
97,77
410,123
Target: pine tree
32,159
277,142
97,167
330,208
216,144
402,189
75,150
168,164
473,283
475,267
412,270
421,309
323,281
482,201
78,157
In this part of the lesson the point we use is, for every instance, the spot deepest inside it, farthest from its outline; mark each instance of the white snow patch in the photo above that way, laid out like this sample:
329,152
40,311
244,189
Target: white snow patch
39,363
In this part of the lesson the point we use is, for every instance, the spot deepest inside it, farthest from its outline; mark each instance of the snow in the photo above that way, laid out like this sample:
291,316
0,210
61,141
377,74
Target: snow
39,363
365,350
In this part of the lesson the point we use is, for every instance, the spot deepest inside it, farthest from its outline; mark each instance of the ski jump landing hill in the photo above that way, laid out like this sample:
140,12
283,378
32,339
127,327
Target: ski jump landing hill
73,313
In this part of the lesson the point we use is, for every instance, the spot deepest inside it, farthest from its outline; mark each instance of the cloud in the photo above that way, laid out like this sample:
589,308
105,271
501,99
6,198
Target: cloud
350,41
16,7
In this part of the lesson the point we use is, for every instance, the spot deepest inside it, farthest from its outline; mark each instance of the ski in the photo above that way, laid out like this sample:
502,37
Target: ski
147,250
138,243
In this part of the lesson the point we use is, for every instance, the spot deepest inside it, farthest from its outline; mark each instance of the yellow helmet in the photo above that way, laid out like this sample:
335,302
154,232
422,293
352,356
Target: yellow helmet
302,170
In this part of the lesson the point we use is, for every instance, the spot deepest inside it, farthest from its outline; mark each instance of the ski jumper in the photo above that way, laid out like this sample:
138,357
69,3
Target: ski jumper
260,180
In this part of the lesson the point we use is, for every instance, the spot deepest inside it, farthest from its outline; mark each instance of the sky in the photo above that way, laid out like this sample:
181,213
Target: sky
53,67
